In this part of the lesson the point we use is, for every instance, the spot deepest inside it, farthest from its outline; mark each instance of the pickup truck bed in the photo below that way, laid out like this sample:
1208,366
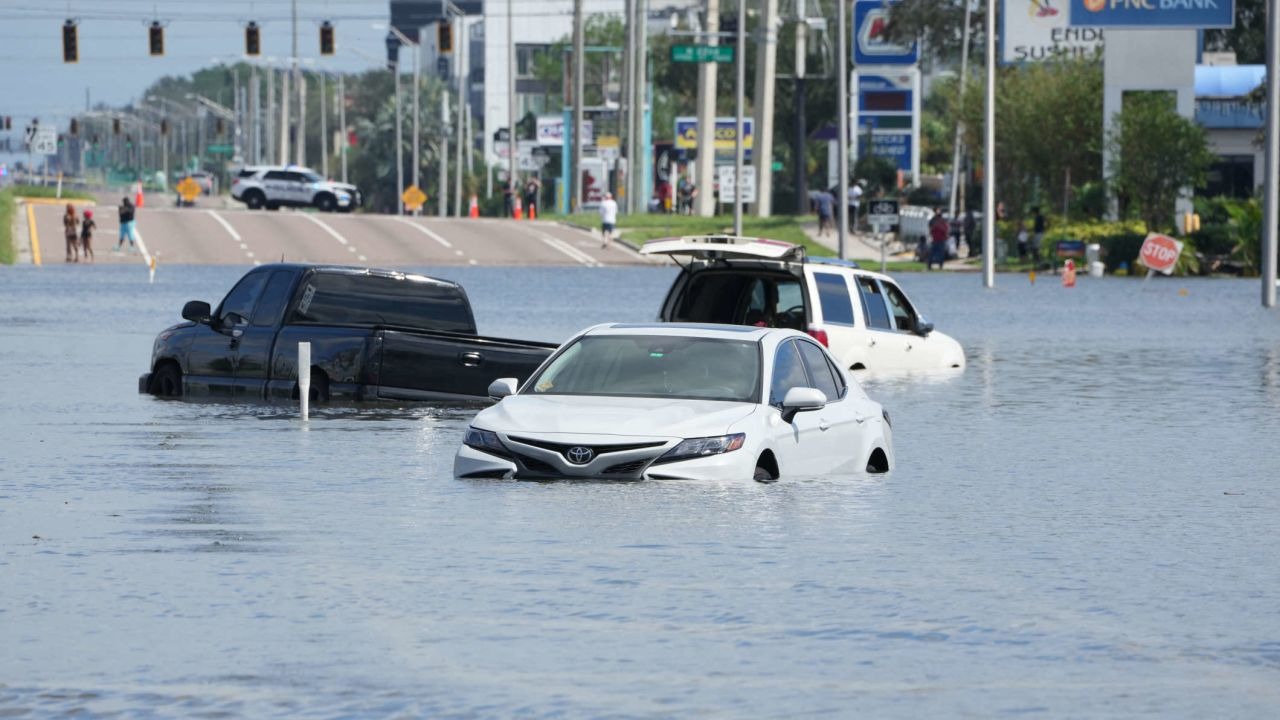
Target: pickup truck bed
374,334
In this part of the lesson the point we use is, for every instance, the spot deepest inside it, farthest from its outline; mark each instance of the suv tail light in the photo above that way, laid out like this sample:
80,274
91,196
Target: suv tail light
819,334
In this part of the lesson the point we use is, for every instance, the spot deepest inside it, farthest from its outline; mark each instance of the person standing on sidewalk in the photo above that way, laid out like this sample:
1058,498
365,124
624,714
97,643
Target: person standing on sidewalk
86,235
127,230
69,226
824,203
970,230
855,204
938,235
508,197
608,218
531,191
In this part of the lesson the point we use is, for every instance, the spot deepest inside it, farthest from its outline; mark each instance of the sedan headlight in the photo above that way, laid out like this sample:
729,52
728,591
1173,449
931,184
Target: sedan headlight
485,441
703,447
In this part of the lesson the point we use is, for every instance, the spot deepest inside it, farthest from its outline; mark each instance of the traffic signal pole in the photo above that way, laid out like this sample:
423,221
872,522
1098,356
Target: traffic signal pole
1271,186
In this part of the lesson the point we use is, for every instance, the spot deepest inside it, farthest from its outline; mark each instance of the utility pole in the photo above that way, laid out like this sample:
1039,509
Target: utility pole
254,109
399,141
417,112
707,116
766,74
1271,186
579,73
300,137
989,157
627,100
442,197
324,129
342,121
460,57
799,154
284,117
740,80
639,107
268,134
842,113
511,104
956,182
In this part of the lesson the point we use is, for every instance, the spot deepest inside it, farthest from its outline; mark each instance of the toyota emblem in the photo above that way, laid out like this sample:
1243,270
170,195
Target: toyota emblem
579,455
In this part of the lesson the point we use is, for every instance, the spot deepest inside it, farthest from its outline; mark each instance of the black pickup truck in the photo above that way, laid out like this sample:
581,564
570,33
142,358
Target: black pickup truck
374,334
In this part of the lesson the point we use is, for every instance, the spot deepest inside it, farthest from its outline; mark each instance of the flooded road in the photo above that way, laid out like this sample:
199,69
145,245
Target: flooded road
1081,524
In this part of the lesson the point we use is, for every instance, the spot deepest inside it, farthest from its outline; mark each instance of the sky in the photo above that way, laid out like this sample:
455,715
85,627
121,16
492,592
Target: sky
115,66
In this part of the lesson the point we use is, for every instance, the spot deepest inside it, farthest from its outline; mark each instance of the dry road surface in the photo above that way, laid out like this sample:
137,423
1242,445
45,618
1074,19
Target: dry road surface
230,237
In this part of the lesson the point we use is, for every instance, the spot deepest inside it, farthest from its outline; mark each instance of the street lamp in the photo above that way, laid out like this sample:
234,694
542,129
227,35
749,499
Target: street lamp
393,36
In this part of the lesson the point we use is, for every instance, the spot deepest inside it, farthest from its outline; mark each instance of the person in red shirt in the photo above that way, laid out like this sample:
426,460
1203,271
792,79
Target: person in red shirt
938,236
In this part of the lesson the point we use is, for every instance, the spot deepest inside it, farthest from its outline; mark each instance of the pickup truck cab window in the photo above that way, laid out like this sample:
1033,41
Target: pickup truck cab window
873,305
274,298
243,296
341,299
833,296
815,362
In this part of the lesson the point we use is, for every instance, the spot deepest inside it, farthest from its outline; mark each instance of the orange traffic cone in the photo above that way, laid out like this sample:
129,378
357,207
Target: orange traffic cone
475,208
517,214
533,212
137,194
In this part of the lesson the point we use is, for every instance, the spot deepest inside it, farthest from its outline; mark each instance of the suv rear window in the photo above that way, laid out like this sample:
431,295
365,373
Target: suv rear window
833,296
246,173
336,299
746,298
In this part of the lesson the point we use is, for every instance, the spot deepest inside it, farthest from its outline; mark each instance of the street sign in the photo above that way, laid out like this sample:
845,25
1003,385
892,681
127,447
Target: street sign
608,146
702,53
413,198
726,131
725,177
1160,252
42,140
189,189
220,149
883,213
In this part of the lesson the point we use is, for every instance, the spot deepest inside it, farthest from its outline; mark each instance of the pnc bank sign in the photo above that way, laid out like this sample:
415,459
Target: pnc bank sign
1153,13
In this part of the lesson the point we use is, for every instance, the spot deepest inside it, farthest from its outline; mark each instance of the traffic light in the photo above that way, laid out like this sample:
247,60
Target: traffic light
115,126
8,122
164,126
252,40
444,37
326,38
75,126
218,126
70,50
155,34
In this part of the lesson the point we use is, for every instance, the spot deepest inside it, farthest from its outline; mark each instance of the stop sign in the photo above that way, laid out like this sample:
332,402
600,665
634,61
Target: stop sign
1160,252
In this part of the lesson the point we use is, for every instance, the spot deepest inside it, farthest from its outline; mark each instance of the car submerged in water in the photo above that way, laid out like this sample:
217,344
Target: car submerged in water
680,401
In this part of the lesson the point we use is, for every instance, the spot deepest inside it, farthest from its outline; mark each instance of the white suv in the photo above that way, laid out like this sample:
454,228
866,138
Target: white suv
272,186
863,317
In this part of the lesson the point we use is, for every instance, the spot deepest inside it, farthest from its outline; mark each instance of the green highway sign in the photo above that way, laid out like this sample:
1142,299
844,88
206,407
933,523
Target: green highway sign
702,53
220,149
777,165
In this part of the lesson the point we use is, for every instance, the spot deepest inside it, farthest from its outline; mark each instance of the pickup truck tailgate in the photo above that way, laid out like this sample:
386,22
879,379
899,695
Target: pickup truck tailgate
443,366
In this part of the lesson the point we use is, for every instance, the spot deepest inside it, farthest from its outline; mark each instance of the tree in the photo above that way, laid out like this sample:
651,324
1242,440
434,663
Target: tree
1157,154
1248,37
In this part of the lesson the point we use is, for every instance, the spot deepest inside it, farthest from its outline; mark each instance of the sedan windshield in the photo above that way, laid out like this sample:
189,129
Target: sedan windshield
654,366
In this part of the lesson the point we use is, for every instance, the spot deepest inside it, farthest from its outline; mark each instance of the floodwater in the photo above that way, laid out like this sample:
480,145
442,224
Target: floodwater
1082,524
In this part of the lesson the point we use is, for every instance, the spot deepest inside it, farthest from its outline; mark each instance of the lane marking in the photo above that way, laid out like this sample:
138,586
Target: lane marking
619,244
325,226
235,236
565,248
33,234
425,231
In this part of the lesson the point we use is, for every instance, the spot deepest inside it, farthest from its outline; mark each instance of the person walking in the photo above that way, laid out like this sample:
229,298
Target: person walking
70,225
127,230
825,204
687,192
608,218
508,198
86,235
855,204
938,235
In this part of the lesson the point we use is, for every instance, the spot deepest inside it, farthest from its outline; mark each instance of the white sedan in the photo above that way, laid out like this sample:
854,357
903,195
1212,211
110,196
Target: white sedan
680,401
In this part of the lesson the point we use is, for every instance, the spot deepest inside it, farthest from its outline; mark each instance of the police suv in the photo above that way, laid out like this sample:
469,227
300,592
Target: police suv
272,186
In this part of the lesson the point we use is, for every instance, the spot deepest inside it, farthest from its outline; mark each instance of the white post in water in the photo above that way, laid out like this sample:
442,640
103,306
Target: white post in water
304,378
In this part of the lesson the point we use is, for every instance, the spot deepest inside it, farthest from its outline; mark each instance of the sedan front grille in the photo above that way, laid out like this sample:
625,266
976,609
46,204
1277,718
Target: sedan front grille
626,468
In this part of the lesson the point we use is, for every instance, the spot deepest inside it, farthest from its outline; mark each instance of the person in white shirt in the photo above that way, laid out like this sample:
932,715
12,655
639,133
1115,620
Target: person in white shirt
855,203
608,218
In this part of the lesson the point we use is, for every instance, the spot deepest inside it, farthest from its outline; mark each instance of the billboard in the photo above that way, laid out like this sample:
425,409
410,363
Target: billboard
1038,30
1139,14
551,131
886,115
870,44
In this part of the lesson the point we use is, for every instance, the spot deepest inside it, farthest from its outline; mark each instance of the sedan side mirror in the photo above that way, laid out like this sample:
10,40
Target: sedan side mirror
197,311
502,387
923,326
802,399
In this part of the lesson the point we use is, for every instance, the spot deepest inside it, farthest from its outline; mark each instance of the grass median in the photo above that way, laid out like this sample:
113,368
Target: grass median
641,228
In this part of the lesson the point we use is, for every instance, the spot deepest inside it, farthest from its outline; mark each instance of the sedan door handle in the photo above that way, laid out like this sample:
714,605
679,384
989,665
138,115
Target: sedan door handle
871,342
823,424
861,418
470,359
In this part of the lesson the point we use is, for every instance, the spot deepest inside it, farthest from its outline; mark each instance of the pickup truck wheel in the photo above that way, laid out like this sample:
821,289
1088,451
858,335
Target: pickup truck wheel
254,199
326,203
319,387
167,381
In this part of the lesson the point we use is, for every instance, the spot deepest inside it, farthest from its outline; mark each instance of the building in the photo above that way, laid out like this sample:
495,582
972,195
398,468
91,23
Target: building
1233,124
